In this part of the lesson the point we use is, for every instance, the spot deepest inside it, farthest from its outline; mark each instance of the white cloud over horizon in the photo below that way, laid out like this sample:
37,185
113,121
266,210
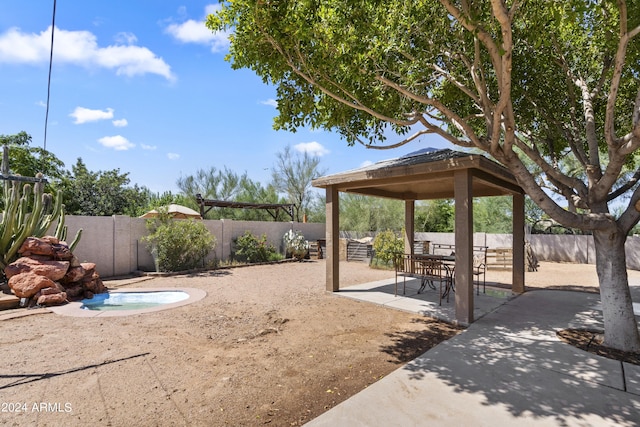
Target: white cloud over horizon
270,102
120,123
148,147
195,31
81,48
173,156
313,148
117,142
86,115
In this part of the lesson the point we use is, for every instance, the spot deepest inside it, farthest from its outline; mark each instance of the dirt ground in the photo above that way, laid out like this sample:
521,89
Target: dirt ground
267,345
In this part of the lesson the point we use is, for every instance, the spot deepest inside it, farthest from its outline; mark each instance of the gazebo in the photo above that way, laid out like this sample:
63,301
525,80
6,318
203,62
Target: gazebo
426,175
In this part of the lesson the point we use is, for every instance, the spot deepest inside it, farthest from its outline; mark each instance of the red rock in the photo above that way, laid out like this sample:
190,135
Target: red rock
51,239
53,299
34,245
46,246
50,291
54,270
89,267
26,285
99,286
62,252
74,274
75,291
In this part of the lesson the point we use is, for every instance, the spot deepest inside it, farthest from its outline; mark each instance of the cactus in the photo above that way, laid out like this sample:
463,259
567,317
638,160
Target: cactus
18,222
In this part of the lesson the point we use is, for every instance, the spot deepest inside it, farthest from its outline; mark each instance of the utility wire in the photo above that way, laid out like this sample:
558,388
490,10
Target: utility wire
46,117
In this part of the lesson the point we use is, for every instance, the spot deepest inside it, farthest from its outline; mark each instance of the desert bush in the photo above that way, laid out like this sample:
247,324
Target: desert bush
387,246
251,249
179,245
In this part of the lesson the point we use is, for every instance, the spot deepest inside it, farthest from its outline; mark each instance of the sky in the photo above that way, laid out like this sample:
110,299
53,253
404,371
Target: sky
142,86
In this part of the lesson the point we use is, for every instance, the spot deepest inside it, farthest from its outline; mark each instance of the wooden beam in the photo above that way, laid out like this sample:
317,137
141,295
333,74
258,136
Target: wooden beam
464,246
518,268
496,182
409,221
333,240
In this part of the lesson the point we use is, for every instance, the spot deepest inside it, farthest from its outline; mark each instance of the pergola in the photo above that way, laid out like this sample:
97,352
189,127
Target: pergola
427,175
272,208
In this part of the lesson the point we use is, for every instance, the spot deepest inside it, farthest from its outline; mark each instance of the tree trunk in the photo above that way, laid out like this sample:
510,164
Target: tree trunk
620,326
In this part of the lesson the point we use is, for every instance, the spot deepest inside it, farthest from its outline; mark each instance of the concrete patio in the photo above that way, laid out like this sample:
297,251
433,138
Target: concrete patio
427,302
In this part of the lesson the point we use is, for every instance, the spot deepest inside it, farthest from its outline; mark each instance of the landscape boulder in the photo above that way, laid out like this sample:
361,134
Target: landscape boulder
49,274
54,270
26,285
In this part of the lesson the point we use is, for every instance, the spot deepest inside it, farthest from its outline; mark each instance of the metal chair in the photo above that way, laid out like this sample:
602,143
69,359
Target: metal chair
480,269
434,270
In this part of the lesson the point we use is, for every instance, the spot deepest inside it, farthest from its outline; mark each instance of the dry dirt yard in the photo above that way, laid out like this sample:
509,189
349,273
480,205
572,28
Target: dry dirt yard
267,345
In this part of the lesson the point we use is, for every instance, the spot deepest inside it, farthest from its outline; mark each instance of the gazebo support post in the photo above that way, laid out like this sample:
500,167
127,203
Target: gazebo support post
333,240
463,196
409,225
518,244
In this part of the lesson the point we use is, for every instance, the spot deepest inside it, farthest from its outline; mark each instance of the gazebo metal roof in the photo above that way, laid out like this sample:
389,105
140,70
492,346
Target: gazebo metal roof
424,176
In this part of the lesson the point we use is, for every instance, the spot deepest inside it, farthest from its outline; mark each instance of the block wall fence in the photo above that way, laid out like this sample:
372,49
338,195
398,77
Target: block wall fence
115,243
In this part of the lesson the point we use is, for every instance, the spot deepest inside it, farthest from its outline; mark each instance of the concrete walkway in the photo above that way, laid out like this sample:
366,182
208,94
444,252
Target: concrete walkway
508,368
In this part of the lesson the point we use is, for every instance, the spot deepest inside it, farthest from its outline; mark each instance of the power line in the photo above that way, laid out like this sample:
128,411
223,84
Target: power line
46,117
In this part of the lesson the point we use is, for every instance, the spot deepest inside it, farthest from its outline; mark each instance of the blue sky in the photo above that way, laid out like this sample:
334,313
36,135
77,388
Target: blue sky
142,86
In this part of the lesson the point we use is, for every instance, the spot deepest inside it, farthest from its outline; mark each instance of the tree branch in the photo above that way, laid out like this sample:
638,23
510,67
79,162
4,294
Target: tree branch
560,178
619,59
625,187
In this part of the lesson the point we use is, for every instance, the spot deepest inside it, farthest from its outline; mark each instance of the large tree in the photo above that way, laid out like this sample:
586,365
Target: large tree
101,193
292,175
538,79
229,186
27,160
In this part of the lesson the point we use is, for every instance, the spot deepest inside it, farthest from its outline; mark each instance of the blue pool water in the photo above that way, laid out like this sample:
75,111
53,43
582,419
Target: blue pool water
132,300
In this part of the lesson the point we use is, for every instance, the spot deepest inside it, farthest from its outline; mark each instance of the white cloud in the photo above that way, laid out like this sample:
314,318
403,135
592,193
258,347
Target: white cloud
366,163
148,147
85,115
41,103
118,142
271,102
313,148
211,8
126,38
120,123
173,156
192,31
81,48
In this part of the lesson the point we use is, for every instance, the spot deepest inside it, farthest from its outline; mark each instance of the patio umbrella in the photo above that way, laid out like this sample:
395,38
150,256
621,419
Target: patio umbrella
174,211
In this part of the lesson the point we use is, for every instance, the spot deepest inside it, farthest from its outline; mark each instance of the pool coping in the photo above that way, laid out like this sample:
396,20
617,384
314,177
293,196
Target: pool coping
73,308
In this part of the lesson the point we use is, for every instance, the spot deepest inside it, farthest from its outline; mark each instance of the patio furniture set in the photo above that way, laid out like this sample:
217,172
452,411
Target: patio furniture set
438,268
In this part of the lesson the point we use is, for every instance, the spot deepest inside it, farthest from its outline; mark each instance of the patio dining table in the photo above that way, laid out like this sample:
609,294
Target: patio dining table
448,265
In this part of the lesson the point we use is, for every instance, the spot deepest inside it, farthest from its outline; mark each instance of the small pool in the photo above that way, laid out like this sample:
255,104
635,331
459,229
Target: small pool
132,300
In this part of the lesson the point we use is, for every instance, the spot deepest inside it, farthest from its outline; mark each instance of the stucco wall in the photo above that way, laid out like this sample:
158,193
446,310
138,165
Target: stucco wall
115,243
556,248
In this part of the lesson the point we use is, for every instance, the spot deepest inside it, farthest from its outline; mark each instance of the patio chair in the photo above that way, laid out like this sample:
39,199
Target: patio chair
404,266
480,269
434,270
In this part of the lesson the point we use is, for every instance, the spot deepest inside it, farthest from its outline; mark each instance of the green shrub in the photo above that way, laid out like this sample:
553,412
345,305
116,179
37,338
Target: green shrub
387,246
179,245
251,249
